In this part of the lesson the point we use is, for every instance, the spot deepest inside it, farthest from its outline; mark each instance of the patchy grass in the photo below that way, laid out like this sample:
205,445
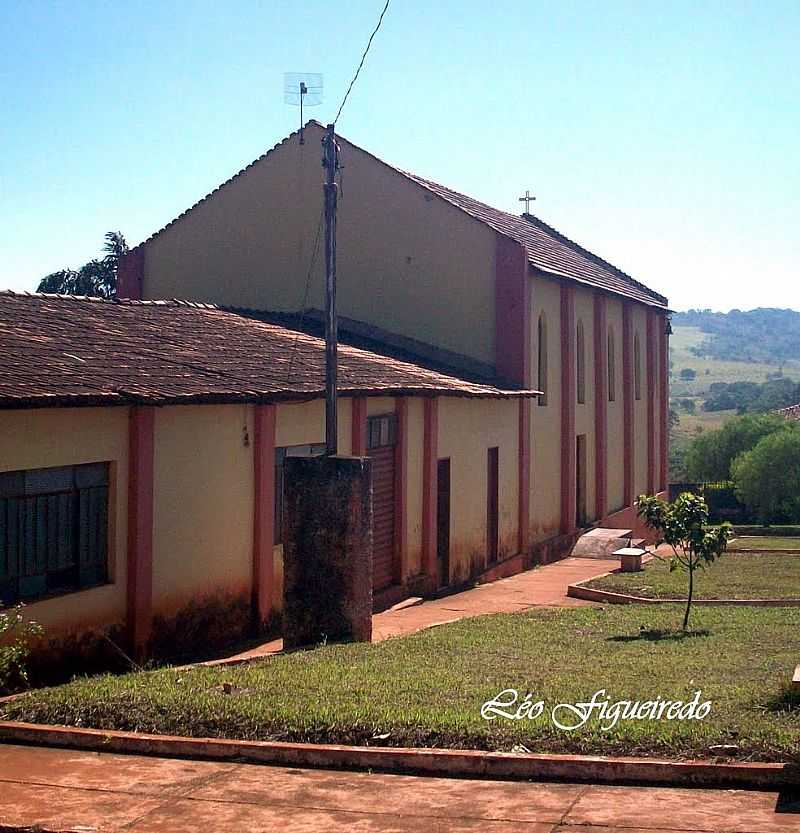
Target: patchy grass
427,689
734,576
765,543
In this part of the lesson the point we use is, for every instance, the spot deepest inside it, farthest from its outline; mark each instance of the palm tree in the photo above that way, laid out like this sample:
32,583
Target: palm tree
97,278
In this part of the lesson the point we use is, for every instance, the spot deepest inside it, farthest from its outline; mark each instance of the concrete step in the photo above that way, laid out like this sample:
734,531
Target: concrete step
601,543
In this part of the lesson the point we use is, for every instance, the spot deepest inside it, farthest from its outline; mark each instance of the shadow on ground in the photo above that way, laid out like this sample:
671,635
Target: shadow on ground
658,635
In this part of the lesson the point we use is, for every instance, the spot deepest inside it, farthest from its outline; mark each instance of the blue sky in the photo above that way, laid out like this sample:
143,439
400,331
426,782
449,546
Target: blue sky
663,136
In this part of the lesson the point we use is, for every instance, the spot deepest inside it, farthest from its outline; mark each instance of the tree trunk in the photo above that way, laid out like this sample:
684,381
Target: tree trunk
689,599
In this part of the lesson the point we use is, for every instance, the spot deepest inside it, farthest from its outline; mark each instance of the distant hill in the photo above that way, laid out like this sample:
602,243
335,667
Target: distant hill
763,335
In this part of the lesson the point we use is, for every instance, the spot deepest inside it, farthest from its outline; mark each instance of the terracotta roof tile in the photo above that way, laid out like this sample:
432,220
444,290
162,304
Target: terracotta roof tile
58,350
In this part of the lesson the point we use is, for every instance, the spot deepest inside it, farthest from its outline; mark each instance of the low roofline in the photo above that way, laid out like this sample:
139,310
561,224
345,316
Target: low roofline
122,397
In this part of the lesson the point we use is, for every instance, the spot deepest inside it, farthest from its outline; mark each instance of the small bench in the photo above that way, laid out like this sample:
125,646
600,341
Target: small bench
796,679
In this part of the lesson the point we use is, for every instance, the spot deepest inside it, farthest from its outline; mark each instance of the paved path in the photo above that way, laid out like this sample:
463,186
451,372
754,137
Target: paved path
544,586
89,791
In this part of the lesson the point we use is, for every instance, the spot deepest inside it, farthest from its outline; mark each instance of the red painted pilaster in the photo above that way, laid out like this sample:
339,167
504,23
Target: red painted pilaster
627,400
130,275
401,490
524,512
512,312
568,382
601,405
359,427
651,401
430,452
140,528
263,512
663,379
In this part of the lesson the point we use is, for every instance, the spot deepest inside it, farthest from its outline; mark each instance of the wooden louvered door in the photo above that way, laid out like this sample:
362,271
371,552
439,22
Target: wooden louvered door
381,434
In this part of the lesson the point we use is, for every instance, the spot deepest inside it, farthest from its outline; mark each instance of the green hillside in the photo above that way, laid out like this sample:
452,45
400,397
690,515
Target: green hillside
713,346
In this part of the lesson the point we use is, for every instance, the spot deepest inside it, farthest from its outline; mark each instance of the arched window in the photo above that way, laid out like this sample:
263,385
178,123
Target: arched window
612,366
637,368
541,355
580,361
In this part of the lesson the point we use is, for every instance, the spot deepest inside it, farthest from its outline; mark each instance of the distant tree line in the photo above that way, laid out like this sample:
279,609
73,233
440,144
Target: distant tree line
759,335
752,397
97,278
760,455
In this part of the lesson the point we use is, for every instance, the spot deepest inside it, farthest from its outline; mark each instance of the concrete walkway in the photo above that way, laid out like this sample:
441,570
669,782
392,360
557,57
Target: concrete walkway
51,789
544,586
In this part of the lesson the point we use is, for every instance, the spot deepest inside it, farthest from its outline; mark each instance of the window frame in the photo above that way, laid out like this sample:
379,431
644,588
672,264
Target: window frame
56,526
611,362
541,358
580,363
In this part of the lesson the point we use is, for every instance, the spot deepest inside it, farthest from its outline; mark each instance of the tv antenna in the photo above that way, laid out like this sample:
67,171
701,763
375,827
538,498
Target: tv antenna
303,89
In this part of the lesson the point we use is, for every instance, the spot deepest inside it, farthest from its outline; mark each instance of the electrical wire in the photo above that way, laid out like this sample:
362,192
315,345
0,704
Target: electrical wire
314,254
361,63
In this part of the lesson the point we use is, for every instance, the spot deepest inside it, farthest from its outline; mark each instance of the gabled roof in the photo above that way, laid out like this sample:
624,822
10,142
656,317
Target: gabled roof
548,250
65,351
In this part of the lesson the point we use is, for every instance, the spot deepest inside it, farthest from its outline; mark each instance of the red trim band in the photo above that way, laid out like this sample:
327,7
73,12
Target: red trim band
651,403
627,400
401,490
568,382
263,512
600,405
512,312
430,452
130,275
140,528
358,441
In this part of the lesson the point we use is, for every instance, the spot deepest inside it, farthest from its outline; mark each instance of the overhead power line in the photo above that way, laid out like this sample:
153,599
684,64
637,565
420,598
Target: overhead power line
361,62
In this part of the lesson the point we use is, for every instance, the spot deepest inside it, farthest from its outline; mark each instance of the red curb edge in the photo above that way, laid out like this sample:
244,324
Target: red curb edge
590,594
461,763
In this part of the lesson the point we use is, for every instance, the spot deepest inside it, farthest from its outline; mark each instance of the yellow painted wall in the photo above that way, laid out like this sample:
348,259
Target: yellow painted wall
70,436
616,425
416,436
640,436
467,429
203,499
584,413
407,261
545,509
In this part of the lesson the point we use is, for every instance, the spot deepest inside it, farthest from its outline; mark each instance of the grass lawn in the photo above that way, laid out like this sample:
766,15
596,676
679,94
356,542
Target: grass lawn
734,576
762,542
427,689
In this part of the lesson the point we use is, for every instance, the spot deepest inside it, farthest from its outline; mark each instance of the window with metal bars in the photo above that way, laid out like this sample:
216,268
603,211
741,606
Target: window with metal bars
53,531
381,431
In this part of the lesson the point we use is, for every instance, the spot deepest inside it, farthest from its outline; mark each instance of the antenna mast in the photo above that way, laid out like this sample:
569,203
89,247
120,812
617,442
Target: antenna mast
303,89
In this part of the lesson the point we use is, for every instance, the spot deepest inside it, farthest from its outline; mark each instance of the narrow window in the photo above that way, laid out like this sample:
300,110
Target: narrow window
637,368
541,382
580,359
280,458
53,531
612,366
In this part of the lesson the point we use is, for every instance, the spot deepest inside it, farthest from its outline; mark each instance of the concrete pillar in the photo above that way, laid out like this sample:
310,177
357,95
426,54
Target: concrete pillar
327,551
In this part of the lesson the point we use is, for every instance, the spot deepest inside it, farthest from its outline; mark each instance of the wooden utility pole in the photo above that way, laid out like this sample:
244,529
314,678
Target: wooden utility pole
330,161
